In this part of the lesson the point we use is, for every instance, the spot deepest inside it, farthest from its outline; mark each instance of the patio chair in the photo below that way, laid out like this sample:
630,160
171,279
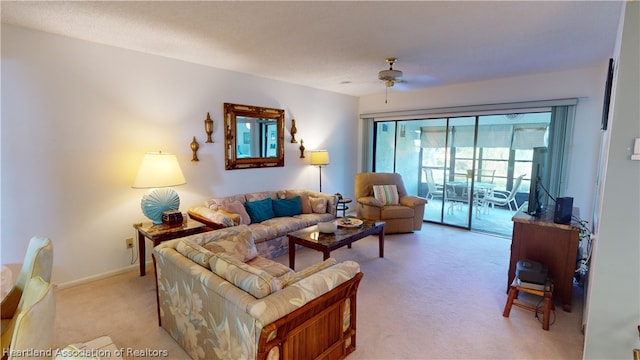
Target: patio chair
433,190
504,198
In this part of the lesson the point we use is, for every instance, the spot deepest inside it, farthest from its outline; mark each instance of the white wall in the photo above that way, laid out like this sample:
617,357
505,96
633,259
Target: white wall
614,284
586,84
77,118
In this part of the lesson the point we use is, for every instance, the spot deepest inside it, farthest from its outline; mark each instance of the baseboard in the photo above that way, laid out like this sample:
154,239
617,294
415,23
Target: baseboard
108,274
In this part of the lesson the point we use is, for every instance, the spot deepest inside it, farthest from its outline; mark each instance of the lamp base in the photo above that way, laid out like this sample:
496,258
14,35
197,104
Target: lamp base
157,201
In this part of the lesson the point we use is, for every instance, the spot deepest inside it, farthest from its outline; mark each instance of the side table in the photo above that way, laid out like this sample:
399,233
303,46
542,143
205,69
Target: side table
161,232
342,206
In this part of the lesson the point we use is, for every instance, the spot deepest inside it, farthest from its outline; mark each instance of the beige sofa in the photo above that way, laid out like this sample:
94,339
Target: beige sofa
270,235
220,300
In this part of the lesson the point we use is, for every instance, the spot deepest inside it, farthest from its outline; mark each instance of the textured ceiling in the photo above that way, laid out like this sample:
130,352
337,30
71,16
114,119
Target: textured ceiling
341,46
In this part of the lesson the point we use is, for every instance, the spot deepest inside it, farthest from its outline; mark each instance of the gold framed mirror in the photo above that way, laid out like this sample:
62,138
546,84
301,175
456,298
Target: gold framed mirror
253,136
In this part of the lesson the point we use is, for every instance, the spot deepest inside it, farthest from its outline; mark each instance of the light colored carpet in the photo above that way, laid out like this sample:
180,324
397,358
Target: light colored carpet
437,294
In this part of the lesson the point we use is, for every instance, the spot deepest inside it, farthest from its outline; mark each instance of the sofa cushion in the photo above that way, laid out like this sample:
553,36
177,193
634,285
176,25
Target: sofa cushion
241,246
318,205
237,207
255,281
285,224
260,210
260,195
195,252
387,194
287,207
215,203
293,277
273,268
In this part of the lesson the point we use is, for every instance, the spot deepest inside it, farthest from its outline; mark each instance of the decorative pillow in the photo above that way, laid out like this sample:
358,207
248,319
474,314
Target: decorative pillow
387,194
287,207
318,205
236,207
304,200
260,210
195,252
248,278
240,246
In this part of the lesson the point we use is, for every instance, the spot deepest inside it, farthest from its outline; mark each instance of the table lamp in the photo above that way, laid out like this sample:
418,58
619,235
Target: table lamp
320,158
158,172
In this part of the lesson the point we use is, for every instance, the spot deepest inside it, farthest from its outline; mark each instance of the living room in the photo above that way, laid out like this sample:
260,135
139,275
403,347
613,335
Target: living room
78,117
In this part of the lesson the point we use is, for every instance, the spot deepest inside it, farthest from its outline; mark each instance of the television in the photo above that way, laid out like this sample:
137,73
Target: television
537,195
607,96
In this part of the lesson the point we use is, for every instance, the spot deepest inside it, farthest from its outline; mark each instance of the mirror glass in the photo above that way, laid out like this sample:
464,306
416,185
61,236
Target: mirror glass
254,136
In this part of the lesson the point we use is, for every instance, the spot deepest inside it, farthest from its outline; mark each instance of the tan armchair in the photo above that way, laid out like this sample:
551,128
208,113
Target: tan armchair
406,216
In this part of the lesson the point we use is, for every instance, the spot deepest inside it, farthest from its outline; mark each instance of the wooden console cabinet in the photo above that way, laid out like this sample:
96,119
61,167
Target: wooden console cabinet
554,245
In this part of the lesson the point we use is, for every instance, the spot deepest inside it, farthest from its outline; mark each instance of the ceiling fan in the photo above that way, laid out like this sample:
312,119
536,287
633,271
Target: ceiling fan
390,76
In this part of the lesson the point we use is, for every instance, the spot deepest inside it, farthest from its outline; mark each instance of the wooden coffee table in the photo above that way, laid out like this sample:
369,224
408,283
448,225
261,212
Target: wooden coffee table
310,237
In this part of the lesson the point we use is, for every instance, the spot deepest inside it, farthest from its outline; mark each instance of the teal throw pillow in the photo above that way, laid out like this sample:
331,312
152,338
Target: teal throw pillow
287,207
260,210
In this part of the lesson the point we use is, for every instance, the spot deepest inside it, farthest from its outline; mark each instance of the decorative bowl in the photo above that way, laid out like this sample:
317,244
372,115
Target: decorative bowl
327,227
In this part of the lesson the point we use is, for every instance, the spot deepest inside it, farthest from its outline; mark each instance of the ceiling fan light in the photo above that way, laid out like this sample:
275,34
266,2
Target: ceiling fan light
390,75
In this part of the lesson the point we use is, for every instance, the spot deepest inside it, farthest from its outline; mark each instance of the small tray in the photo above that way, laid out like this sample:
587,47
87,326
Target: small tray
352,223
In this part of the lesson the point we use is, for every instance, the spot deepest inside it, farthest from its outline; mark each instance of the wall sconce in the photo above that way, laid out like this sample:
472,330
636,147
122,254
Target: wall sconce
294,130
194,148
301,149
208,128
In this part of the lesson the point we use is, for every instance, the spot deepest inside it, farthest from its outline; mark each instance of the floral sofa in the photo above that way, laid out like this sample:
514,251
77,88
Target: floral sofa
220,300
292,210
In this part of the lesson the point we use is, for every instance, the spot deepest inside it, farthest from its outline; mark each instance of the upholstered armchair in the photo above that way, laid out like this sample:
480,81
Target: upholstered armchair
383,197
32,327
38,261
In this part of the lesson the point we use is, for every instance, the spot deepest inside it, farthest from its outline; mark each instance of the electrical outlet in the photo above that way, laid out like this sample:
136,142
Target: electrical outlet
129,242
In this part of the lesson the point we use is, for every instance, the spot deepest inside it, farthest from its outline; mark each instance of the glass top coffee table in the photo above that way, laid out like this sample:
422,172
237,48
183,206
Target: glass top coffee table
310,237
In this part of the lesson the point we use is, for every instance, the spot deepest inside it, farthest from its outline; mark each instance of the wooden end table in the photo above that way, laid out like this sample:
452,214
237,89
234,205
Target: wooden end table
342,206
310,237
161,232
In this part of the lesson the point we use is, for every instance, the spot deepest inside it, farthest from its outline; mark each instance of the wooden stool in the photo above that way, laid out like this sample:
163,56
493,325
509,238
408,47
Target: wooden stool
514,289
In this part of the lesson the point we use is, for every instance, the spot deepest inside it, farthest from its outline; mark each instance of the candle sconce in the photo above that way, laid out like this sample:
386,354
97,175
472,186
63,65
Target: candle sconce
302,149
208,128
294,130
194,148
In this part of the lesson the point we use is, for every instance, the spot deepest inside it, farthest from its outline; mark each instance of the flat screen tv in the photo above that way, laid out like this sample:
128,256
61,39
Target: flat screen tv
607,96
537,195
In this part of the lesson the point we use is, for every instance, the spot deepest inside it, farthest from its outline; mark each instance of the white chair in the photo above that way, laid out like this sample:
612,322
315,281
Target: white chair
503,198
38,261
433,190
32,327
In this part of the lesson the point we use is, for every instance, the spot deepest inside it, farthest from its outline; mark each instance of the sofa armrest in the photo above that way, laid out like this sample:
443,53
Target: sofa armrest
212,218
370,201
412,201
296,295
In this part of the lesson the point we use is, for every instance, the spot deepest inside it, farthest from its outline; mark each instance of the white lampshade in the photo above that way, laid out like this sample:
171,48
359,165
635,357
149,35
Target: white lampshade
157,170
320,157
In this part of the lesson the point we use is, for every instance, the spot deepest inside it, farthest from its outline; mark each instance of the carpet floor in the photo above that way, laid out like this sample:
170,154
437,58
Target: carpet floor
437,294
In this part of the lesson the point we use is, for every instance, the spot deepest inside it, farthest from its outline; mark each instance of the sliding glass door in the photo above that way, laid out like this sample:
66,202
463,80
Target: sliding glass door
474,170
